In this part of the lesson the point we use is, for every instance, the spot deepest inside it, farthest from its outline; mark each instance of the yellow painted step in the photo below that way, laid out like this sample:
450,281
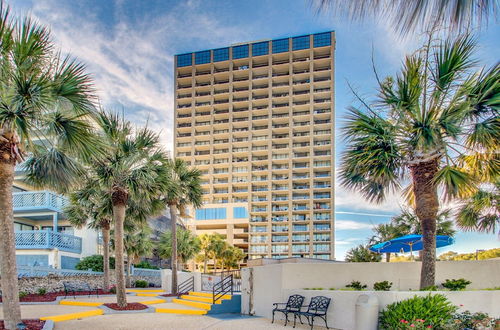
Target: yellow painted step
207,300
181,311
80,303
73,316
147,294
193,304
152,302
145,291
207,294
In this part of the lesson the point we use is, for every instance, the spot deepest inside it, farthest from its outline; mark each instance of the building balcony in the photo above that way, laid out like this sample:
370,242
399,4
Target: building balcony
47,239
38,201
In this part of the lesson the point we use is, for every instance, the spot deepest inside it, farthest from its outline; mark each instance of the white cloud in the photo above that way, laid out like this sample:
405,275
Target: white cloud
351,225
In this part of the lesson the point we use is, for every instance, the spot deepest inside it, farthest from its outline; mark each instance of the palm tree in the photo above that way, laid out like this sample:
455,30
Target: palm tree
137,243
385,232
362,253
183,190
408,223
205,246
480,211
188,245
217,246
46,103
231,256
133,174
88,207
407,17
422,125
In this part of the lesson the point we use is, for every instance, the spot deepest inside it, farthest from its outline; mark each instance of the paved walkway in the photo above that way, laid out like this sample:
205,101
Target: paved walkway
155,321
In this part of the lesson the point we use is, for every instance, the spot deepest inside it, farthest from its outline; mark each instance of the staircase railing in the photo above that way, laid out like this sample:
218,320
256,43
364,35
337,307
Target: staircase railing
236,278
220,289
186,286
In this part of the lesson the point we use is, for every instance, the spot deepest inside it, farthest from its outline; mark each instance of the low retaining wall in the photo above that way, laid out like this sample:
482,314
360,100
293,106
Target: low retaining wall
53,283
264,285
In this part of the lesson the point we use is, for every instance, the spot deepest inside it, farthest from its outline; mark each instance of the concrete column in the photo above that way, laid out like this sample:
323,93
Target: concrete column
197,281
54,222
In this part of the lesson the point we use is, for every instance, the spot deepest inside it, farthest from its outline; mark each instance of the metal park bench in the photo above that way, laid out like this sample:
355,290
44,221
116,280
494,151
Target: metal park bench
79,287
316,308
292,306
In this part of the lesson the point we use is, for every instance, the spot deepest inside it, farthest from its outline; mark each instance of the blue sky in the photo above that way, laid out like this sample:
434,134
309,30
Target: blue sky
129,48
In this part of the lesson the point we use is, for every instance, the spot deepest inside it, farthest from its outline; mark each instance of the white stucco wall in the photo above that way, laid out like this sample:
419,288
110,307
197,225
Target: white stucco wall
275,282
89,241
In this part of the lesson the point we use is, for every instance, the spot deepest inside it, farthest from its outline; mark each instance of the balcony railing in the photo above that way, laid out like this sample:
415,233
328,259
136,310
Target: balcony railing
38,200
47,239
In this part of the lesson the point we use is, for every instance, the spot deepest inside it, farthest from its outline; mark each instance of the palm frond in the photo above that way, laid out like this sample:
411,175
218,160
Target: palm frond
480,212
456,182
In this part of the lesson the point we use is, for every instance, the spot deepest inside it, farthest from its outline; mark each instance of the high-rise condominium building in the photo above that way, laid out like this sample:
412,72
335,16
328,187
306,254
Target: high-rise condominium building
258,120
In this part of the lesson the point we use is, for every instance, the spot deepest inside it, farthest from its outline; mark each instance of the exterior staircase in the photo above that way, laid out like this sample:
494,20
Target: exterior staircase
201,303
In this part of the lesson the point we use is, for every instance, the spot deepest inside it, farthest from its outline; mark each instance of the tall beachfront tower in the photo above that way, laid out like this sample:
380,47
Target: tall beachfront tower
257,119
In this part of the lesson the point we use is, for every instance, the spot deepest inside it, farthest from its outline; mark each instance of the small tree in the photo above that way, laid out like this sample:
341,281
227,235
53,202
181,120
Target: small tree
188,245
362,253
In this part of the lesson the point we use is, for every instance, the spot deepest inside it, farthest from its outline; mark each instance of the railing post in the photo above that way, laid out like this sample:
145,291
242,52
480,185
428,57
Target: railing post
231,284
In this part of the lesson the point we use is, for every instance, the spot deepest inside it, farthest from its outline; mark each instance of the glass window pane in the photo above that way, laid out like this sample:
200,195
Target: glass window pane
184,60
300,42
221,54
280,46
322,39
260,48
202,57
240,51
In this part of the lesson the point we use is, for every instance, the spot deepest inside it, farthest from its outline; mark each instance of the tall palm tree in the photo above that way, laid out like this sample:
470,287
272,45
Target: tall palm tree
188,245
137,243
46,102
217,246
385,232
425,120
407,17
183,190
205,246
89,207
133,174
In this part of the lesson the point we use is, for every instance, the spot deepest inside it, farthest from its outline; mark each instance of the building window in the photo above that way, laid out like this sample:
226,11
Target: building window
184,60
240,213
322,39
202,57
300,42
216,213
22,226
221,54
280,46
240,52
260,48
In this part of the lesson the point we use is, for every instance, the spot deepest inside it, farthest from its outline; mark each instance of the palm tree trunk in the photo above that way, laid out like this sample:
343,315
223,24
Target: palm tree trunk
10,289
427,205
105,249
119,218
129,270
388,257
173,216
205,259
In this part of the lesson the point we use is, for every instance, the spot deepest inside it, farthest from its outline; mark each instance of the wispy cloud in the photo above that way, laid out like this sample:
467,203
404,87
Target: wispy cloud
351,225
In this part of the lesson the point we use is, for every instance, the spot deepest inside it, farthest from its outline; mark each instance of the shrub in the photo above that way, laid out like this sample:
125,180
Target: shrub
141,284
112,289
430,288
356,285
433,310
382,286
22,294
456,284
95,262
468,320
41,291
146,265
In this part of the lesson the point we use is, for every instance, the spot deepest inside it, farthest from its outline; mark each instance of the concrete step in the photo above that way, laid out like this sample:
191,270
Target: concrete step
207,294
192,304
171,308
207,300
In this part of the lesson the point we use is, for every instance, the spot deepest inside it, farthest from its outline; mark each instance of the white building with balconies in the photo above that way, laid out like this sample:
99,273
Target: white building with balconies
44,237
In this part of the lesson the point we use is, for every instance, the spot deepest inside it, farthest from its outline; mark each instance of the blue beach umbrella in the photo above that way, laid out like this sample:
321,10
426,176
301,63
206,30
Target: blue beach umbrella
409,243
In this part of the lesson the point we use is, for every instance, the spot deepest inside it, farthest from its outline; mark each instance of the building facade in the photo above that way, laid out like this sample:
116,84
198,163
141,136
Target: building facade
258,120
44,237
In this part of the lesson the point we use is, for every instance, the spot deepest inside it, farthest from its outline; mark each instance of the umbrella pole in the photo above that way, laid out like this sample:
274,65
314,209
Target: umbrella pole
411,252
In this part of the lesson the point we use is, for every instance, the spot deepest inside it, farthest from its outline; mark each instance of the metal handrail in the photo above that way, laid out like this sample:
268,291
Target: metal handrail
222,288
186,286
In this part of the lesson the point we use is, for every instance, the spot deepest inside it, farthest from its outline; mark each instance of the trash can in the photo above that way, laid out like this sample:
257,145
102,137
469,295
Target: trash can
366,317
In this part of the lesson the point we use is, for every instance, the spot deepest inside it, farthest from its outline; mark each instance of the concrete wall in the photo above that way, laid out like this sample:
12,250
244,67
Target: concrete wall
166,279
275,282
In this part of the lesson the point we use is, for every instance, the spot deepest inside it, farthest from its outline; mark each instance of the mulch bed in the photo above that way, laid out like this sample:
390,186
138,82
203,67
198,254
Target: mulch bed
129,307
51,296
30,324
171,295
